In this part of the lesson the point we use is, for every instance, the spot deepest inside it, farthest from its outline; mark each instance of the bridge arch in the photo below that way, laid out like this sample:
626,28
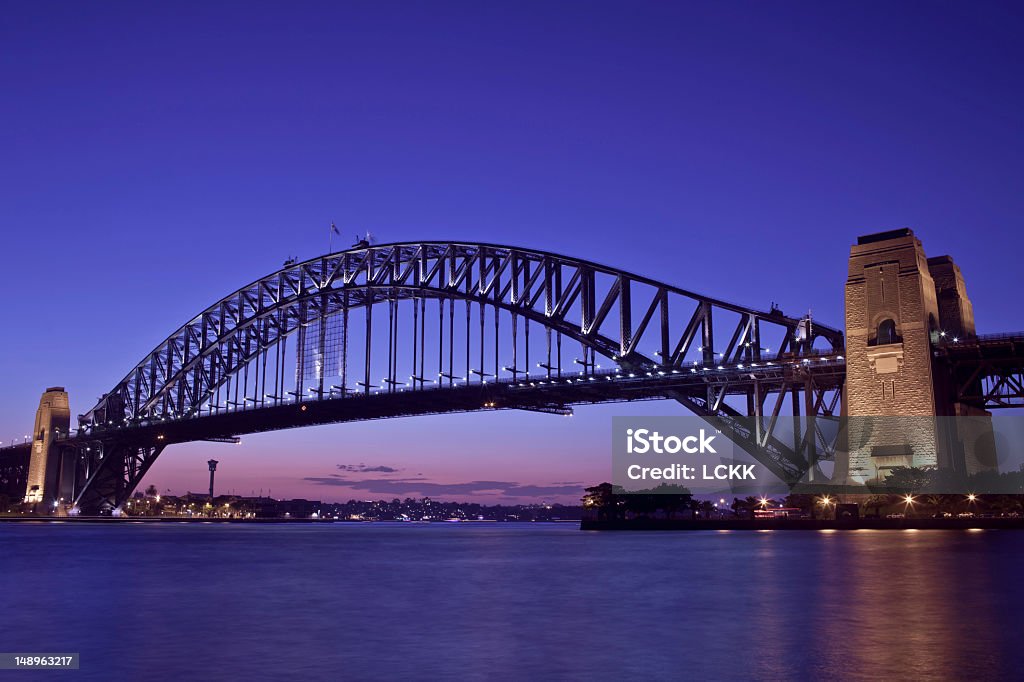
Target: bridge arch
232,358
570,297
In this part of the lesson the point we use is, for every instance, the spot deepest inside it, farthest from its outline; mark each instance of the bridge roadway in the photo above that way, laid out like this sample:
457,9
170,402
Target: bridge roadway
998,355
543,394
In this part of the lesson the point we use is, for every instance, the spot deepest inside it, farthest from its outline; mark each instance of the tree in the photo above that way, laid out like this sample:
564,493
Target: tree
603,501
909,480
151,491
746,506
876,502
802,501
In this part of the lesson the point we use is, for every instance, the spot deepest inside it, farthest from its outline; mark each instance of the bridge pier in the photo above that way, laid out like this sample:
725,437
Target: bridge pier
50,476
899,305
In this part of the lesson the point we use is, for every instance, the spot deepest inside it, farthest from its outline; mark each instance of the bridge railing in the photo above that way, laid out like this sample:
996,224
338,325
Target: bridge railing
1005,336
950,340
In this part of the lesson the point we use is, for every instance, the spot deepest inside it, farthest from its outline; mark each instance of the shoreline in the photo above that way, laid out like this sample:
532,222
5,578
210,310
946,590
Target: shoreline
176,519
996,523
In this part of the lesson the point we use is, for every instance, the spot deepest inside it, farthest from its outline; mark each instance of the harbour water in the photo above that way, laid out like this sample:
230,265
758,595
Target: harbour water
510,601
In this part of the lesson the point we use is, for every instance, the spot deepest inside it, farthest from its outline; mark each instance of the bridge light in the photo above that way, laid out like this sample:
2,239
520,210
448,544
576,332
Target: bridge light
719,367
943,334
740,366
632,376
839,357
971,497
956,339
909,499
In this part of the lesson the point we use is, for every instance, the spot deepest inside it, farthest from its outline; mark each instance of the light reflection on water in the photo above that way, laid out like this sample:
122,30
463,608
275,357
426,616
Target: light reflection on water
380,601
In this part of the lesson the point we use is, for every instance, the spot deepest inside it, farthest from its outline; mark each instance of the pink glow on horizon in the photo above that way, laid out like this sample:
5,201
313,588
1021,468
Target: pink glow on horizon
551,458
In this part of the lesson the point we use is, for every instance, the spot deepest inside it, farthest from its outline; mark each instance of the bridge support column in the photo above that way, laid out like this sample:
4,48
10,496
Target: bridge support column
898,304
49,481
115,470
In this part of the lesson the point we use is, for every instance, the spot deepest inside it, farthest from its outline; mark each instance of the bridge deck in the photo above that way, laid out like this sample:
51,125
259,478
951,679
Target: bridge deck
536,393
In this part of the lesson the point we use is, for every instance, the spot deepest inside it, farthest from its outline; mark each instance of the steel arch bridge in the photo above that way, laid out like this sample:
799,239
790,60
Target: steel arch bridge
435,327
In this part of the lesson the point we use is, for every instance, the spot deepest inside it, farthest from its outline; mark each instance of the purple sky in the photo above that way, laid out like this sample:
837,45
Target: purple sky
156,156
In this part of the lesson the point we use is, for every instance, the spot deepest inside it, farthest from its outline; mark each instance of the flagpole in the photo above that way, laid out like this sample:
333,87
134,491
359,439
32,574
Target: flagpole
330,239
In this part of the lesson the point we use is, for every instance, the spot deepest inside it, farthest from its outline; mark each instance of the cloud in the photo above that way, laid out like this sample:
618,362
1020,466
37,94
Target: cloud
420,486
362,468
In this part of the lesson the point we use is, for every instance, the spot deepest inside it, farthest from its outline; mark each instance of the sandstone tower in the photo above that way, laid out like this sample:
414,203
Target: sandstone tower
45,472
899,303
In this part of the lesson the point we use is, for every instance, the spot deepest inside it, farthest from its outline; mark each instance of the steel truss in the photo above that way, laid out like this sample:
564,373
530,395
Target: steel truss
986,372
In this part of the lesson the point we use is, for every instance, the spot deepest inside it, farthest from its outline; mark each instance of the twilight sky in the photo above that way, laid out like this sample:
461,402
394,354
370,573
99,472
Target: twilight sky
156,156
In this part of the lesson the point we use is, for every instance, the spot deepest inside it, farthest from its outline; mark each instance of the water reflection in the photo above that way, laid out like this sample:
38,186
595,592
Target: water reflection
506,601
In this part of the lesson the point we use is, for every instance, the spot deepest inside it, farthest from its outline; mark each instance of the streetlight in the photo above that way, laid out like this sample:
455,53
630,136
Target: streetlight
826,502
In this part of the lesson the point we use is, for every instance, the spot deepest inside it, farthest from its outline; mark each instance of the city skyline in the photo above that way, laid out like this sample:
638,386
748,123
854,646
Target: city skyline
640,139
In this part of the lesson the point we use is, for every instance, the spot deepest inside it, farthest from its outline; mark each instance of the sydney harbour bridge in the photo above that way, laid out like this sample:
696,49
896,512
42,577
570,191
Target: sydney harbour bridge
397,330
